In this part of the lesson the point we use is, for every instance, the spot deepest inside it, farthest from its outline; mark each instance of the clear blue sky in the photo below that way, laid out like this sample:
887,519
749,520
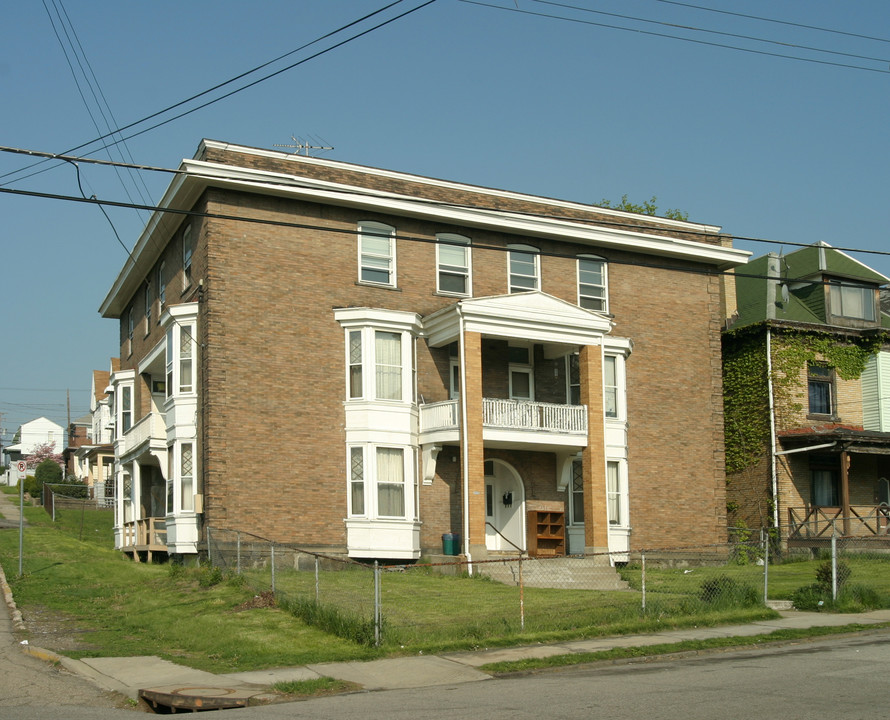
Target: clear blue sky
763,146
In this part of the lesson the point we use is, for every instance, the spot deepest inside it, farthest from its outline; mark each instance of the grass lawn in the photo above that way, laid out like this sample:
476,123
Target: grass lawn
208,619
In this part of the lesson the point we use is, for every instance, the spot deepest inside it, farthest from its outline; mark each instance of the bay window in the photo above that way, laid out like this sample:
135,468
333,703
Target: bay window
379,365
378,482
180,371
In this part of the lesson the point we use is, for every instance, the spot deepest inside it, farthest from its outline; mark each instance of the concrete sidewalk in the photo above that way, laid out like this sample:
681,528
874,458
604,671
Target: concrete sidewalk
158,681
165,683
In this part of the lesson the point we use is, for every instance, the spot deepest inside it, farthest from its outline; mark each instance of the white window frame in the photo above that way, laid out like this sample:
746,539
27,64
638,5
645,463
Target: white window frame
125,408
180,335
162,288
616,494
188,249
526,368
536,276
840,296
361,380
130,328
452,241
371,482
148,304
586,299
373,260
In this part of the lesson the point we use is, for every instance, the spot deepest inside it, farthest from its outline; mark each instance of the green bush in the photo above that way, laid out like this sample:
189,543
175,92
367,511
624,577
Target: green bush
823,574
812,597
48,472
33,487
725,591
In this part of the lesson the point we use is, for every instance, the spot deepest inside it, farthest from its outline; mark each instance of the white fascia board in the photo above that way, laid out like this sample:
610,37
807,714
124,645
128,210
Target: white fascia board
434,182
381,319
516,223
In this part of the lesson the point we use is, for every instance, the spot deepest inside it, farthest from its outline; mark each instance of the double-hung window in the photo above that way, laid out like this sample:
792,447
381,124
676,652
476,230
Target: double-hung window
380,364
610,385
378,485
377,253
524,268
147,306
180,378
126,409
850,300
453,264
592,290
820,389
130,325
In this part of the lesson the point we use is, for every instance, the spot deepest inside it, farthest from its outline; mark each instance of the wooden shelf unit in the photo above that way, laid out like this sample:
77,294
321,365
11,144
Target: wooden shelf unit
545,528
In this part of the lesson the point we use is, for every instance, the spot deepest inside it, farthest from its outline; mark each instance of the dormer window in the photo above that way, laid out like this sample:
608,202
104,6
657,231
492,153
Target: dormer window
849,300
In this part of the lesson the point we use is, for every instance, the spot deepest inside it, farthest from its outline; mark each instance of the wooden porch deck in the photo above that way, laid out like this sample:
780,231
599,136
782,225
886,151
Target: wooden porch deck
145,538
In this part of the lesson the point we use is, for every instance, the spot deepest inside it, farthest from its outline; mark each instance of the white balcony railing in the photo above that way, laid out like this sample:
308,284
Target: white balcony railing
509,415
149,427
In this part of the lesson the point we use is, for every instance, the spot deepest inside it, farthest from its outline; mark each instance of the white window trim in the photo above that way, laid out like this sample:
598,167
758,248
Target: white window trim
188,250
605,285
370,481
377,229
455,240
529,250
369,321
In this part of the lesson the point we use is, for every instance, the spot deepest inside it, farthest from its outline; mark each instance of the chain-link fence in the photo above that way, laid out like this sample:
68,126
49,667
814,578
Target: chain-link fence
438,603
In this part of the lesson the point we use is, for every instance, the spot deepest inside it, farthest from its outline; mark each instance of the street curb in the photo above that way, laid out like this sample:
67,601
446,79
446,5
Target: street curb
14,613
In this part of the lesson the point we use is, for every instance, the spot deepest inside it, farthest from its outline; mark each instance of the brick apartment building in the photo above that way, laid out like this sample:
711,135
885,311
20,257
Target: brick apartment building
361,361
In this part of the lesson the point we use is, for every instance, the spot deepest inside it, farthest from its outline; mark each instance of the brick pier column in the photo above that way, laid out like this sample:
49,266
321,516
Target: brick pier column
593,457
473,449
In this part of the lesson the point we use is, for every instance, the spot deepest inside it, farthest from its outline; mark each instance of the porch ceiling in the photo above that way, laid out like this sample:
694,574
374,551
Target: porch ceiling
530,316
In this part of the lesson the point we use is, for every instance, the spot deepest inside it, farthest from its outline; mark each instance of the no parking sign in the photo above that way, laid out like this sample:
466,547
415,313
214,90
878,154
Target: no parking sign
21,468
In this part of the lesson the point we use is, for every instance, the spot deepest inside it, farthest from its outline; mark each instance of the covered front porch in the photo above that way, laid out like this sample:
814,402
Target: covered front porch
839,485
526,378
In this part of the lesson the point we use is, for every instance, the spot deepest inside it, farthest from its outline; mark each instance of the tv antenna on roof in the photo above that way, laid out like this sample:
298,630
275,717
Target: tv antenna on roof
300,145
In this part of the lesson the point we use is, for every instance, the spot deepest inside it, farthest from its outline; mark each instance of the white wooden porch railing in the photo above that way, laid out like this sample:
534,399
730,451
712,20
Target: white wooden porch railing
150,426
510,415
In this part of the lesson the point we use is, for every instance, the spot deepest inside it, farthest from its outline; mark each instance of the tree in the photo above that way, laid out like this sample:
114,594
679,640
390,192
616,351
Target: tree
647,208
44,451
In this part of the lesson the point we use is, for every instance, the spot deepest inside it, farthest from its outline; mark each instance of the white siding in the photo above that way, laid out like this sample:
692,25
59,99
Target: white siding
876,393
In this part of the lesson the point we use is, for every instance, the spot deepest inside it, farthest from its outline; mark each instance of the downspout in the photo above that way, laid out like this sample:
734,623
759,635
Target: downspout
772,426
464,451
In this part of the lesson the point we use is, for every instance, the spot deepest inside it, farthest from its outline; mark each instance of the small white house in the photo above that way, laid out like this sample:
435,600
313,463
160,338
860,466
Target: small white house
34,433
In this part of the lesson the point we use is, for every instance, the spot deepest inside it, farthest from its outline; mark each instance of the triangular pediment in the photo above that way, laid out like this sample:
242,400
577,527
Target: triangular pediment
531,316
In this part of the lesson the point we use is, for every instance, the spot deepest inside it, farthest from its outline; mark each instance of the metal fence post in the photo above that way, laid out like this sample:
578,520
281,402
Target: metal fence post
643,560
376,604
316,579
834,566
521,598
238,558
272,555
765,565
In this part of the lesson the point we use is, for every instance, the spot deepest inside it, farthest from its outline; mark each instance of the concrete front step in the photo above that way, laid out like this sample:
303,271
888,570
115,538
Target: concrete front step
568,573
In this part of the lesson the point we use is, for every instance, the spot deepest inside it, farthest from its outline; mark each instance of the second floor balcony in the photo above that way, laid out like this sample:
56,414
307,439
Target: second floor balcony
140,436
509,422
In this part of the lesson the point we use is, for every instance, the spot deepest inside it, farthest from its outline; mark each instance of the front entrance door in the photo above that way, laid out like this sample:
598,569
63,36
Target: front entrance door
504,508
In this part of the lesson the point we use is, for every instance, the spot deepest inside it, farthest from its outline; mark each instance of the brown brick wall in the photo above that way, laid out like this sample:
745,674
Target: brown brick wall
272,371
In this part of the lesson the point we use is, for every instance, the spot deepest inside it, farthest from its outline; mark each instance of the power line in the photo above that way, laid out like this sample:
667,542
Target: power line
677,37
423,201
773,20
427,240
120,130
692,28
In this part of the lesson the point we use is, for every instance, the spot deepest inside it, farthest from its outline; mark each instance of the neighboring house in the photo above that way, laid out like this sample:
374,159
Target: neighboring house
807,383
39,431
360,361
78,436
95,458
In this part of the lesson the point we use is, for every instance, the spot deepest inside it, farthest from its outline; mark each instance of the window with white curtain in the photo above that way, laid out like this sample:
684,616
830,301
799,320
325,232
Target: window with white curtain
378,482
610,385
390,482
613,492
380,365
388,365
